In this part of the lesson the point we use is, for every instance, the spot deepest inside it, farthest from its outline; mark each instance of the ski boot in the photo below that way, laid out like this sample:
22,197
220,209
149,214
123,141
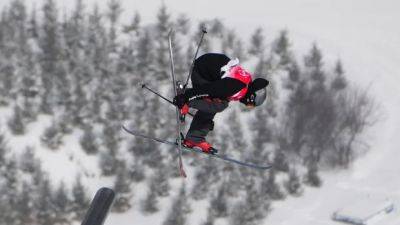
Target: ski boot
202,145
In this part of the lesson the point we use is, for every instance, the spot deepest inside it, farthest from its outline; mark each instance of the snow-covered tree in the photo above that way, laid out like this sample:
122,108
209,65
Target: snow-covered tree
61,204
149,205
28,160
44,204
16,123
25,205
179,209
88,141
250,210
49,42
219,202
80,199
293,184
52,136
312,178
257,43
282,48
123,189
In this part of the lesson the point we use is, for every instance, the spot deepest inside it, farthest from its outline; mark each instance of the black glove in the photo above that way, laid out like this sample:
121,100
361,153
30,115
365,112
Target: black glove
180,100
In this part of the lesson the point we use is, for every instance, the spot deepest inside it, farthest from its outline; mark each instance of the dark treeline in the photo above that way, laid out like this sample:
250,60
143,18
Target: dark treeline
82,68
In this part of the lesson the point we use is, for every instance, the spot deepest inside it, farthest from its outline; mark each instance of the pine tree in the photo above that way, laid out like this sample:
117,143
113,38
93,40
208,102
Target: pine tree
38,175
114,13
136,171
313,62
228,43
312,178
88,141
153,154
122,187
8,51
282,48
162,54
134,25
28,160
280,161
270,188
236,138
204,179
257,45
61,204
293,185
218,204
29,87
262,134
49,43
16,123
52,137
250,210
179,209
161,179
183,24
210,219
25,205
339,82
44,204
32,26
9,190
108,157
217,27
145,56
108,162
80,104
294,76
80,200
3,150
150,203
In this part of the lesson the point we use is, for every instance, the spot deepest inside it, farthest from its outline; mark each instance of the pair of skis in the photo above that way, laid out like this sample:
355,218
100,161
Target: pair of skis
218,156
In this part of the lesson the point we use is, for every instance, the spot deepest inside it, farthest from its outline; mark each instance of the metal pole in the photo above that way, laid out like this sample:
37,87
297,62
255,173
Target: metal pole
204,31
159,95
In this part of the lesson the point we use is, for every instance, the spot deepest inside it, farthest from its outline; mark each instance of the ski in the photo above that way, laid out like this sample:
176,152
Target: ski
178,114
217,156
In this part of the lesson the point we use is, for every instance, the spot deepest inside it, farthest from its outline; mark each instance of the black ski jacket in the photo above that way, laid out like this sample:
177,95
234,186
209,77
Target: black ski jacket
206,78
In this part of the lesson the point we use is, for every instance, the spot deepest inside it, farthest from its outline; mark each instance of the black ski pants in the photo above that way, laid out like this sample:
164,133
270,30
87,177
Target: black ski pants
202,122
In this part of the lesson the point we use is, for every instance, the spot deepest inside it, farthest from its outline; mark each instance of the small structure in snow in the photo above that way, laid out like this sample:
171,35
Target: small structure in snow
363,212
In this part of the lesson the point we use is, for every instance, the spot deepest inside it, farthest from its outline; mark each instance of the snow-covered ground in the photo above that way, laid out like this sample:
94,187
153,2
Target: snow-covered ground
365,35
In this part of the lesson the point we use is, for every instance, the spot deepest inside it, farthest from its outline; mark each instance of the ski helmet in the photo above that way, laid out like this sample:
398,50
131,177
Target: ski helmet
256,93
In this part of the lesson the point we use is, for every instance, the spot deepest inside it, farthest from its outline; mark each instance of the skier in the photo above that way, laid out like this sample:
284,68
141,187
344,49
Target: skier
216,80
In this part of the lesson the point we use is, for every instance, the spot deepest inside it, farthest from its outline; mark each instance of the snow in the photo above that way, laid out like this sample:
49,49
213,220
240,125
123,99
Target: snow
363,33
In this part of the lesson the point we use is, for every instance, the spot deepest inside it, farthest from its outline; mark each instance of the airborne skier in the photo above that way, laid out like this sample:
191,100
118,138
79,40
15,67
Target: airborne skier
216,80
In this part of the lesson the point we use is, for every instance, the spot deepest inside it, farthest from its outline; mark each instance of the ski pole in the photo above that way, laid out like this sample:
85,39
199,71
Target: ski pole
159,95
204,31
